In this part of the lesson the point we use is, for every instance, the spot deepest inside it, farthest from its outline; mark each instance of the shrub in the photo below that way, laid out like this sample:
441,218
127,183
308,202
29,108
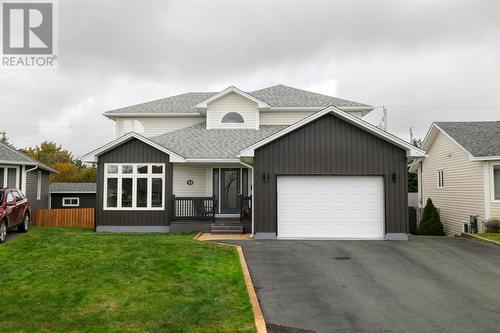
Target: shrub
492,225
431,222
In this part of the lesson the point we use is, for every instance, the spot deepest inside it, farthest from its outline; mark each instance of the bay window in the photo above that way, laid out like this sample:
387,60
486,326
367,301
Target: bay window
134,186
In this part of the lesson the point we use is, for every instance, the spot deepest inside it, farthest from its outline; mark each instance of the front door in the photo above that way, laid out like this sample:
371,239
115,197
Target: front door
230,190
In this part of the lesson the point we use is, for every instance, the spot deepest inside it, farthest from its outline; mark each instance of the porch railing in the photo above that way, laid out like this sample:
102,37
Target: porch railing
193,208
245,208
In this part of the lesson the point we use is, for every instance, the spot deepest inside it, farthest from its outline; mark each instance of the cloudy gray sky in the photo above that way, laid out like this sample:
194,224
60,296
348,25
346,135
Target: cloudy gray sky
426,60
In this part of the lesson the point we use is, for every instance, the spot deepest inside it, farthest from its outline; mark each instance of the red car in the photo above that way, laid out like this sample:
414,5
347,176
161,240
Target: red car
14,211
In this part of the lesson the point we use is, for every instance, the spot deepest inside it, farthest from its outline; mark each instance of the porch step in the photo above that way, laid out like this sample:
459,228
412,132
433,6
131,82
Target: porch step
228,223
226,228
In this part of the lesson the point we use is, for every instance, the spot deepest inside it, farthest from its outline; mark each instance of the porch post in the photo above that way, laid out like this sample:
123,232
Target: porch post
251,194
172,208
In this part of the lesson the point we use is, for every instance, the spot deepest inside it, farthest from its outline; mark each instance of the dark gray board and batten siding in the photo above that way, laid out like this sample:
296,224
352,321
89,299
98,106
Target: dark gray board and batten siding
87,200
133,151
330,146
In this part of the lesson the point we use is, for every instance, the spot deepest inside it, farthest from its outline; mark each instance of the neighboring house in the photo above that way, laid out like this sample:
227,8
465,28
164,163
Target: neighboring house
290,163
30,176
462,172
72,195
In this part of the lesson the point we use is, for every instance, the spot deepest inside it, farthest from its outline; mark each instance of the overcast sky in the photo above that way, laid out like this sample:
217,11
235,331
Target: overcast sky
426,60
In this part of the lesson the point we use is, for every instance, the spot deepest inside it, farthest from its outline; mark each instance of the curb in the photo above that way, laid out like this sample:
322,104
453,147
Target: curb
479,238
260,323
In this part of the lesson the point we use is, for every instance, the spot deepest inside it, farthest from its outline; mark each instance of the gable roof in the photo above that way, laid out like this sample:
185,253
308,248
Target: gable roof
196,142
72,188
480,139
10,155
92,156
204,104
276,97
199,144
411,151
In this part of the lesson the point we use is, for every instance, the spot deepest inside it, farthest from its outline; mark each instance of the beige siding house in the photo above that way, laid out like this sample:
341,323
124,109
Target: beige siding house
461,173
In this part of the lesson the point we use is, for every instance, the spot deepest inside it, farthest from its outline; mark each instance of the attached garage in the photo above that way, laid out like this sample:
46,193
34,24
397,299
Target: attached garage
350,207
331,175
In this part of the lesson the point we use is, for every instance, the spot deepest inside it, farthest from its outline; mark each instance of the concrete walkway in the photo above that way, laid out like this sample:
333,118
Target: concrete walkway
206,236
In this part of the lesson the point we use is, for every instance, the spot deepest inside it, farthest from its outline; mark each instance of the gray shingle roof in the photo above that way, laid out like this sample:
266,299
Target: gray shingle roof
480,138
284,96
198,142
72,187
183,103
275,96
9,155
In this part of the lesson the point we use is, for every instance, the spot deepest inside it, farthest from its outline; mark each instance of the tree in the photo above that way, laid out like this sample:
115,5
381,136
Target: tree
68,173
69,169
417,142
49,153
3,138
413,177
431,221
72,173
412,182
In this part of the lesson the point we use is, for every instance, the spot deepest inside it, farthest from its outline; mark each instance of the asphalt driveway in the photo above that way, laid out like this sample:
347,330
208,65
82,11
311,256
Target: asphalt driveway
427,284
13,234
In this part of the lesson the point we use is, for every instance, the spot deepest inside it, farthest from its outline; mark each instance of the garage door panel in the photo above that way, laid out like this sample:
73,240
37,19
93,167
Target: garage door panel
330,207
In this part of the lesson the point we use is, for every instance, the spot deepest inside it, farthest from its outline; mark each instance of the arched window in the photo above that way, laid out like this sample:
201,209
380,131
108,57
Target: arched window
232,118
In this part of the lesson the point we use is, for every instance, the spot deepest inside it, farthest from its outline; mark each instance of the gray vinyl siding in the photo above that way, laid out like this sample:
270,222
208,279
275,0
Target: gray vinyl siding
31,189
87,200
331,146
133,151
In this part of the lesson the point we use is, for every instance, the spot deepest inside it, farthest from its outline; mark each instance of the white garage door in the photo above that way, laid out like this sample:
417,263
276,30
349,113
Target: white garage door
331,207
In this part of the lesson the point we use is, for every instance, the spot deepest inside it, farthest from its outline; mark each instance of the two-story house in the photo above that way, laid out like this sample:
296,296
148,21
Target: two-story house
276,162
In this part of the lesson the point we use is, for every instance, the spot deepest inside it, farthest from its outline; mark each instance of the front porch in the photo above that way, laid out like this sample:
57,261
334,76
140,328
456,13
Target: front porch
200,214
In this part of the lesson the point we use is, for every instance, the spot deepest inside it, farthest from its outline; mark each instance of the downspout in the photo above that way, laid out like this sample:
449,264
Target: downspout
253,196
32,169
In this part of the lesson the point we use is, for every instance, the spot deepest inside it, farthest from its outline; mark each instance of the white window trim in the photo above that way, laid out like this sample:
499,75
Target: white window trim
440,178
5,174
492,182
70,204
39,185
134,175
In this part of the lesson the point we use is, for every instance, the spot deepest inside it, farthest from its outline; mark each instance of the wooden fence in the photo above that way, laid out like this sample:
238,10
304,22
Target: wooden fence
66,217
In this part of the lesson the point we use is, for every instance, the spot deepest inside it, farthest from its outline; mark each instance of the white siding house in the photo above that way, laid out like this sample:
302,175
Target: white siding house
457,173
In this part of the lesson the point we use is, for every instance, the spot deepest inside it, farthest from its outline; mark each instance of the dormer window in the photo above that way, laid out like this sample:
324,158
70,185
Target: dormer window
232,118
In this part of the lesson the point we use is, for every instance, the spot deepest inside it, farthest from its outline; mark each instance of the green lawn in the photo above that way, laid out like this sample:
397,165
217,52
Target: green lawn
490,235
70,280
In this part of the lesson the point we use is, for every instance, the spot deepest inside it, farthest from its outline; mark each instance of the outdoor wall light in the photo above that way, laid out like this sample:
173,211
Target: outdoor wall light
395,177
265,177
